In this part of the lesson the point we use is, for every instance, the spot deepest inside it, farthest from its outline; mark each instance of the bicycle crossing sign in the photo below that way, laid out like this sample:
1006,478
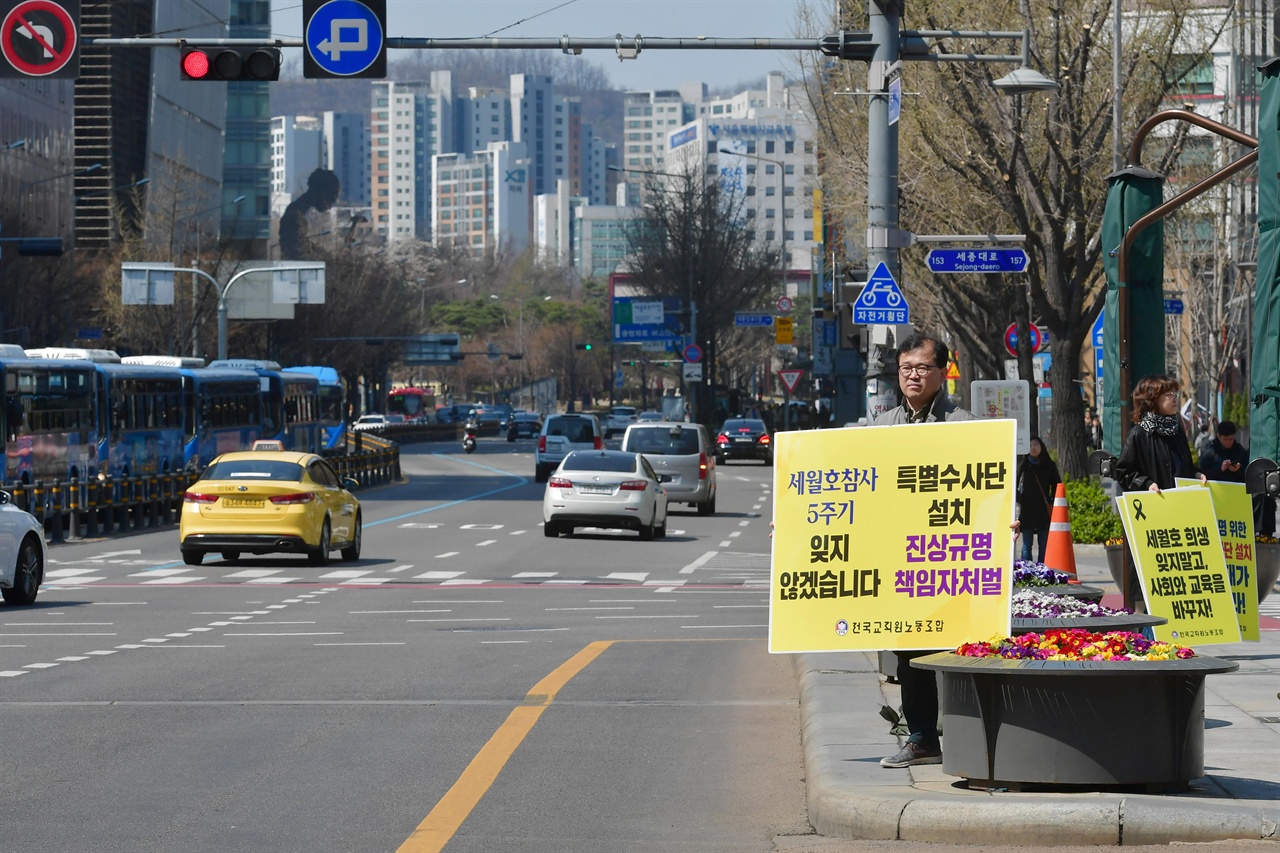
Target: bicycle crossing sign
881,301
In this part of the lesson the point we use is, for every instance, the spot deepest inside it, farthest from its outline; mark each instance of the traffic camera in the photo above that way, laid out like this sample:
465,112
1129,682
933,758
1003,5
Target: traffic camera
222,64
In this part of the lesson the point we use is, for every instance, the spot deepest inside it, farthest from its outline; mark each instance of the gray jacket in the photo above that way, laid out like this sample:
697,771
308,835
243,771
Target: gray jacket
941,409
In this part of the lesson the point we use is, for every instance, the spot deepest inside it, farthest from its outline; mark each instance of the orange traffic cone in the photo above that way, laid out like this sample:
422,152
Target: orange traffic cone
1061,551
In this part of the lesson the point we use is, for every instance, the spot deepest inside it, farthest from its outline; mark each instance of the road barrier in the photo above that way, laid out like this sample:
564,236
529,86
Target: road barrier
108,507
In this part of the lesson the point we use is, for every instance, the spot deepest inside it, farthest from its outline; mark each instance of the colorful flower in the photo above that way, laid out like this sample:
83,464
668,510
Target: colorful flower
1076,644
1031,573
1030,604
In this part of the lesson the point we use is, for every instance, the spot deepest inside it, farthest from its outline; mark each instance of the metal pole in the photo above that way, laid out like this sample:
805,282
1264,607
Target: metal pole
882,140
1117,156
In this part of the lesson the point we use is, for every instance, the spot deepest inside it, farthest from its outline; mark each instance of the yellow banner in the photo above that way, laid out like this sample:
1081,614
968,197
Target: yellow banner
892,537
1173,537
1233,507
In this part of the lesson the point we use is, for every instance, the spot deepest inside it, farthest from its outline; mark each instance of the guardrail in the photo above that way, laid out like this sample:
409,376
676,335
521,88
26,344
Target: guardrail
95,508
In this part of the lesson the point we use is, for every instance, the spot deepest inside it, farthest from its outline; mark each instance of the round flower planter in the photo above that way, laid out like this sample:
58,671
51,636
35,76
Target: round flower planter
1074,590
1127,622
1011,723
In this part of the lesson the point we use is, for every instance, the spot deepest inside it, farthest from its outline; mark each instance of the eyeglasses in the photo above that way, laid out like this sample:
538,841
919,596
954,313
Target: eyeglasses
916,369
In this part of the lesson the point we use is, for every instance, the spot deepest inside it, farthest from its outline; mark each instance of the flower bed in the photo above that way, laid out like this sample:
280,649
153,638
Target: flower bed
1031,603
1076,644
1032,573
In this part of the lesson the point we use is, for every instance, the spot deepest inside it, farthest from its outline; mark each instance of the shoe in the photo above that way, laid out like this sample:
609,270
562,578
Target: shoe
911,755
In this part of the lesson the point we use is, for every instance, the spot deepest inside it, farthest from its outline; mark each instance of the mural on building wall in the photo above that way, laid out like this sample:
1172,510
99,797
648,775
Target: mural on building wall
323,190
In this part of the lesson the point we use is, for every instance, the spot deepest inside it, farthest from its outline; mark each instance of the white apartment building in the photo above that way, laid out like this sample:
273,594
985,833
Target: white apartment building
484,116
411,123
481,200
296,149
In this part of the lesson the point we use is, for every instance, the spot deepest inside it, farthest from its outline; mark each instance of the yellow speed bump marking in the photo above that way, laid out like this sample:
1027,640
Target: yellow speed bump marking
440,825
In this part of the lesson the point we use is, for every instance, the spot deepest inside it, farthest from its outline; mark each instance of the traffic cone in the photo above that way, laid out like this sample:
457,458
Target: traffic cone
1061,551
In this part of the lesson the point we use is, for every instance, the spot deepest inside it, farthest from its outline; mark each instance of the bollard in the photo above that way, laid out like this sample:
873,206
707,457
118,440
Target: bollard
56,533
74,504
153,501
91,502
37,508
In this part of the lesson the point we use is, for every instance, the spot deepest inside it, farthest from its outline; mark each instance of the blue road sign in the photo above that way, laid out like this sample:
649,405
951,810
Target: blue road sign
344,38
977,260
881,302
760,320
637,319
1097,328
1173,306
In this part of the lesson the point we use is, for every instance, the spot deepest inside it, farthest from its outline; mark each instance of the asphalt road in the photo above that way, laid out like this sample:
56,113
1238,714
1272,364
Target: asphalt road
467,685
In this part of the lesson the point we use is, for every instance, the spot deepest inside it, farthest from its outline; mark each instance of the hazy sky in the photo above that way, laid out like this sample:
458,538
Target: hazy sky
604,18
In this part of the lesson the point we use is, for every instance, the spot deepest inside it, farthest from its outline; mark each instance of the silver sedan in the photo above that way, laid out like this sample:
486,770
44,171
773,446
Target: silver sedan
605,488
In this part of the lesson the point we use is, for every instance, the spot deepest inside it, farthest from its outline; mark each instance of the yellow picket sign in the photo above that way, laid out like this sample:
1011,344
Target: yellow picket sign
1233,507
1174,540
892,537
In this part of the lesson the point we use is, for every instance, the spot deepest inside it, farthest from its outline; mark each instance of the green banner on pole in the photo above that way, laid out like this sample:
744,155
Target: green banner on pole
1264,419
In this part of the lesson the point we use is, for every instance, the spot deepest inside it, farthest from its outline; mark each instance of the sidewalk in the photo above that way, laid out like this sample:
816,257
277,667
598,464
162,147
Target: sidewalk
851,796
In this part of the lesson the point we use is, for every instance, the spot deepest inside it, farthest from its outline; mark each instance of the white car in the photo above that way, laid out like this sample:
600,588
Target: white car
370,422
562,434
22,553
605,488
618,419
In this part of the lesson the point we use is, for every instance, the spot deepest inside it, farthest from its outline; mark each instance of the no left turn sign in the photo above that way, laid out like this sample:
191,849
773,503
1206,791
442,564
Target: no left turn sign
39,38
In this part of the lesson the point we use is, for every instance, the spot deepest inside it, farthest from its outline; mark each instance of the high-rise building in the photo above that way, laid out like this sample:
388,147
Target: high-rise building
539,120
484,116
346,153
647,119
297,144
411,123
481,200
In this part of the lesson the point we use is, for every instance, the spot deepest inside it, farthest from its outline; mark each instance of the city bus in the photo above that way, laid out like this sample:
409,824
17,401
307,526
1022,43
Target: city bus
139,410
48,419
222,412
412,403
290,403
333,403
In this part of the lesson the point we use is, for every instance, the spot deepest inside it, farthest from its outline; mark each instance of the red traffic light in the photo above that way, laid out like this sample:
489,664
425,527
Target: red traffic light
231,63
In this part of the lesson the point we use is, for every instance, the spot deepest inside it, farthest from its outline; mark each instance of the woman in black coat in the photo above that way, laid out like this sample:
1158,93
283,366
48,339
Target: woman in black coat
1038,480
1156,450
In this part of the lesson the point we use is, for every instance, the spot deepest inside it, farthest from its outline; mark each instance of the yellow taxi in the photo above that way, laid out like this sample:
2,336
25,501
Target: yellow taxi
263,502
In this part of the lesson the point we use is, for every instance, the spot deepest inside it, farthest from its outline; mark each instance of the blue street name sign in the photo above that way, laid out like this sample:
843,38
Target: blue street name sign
1097,328
977,260
344,38
762,320
881,301
1173,306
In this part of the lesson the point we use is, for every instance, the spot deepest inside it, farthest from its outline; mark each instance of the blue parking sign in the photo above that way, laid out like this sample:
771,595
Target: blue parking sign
344,38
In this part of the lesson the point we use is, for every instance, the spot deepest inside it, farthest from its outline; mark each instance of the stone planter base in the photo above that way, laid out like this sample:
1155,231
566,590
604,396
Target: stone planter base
1267,557
1012,723
1130,622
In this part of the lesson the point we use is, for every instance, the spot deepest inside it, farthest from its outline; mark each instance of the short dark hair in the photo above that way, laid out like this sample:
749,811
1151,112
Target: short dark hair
1226,428
941,355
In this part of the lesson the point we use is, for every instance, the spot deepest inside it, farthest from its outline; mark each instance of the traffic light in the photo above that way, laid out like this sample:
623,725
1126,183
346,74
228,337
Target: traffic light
582,346
220,64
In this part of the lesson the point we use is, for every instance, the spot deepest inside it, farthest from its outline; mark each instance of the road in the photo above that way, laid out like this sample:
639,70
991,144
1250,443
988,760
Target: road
467,685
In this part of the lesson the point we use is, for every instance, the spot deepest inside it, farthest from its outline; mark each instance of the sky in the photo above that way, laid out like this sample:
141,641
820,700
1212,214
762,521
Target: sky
654,69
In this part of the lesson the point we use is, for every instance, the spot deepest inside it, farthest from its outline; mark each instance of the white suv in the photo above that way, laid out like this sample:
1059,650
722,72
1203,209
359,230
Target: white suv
618,419
560,434
683,457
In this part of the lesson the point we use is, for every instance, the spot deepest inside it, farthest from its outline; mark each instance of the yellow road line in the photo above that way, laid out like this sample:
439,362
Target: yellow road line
440,825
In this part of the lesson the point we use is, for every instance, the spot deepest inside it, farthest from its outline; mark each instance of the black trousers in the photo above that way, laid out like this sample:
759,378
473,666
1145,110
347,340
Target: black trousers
919,699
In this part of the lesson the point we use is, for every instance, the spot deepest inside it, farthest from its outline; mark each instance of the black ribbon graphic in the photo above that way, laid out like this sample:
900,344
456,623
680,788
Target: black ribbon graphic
1138,514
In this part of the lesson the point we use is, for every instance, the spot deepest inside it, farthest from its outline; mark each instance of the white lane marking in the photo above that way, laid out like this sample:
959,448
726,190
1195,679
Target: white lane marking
273,579
401,568
503,642
131,646
743,523
178,635
482,527
725,544
735,534
358,644
291,634
72,583
107,554
52,634
565,582
512,631
69,573
650,616
447,554
10,673
368,581
57,624
346,573
221,624
240,618
420,525
472,619
102,652
159,573
254,573
485,542
70,658
116,603
195,630
171,580
39,665
464,582
739,606
627,576
460,601
392,612
535,574
701,561
156,640
518,533
715,627
572,609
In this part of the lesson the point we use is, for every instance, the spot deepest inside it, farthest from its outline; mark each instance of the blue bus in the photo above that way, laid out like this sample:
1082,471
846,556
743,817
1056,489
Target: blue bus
140,419
48,418
333,401
222,412
290,403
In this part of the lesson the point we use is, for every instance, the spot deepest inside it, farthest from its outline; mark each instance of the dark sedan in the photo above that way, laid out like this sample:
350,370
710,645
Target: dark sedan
744,438
524,425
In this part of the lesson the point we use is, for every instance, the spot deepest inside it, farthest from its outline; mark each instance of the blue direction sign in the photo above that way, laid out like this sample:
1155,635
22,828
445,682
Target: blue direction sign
344,38
977,260
881,301
757,320
1097,328
1173,306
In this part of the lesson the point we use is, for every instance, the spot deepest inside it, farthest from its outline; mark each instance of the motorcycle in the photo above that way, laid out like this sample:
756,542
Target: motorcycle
469,439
